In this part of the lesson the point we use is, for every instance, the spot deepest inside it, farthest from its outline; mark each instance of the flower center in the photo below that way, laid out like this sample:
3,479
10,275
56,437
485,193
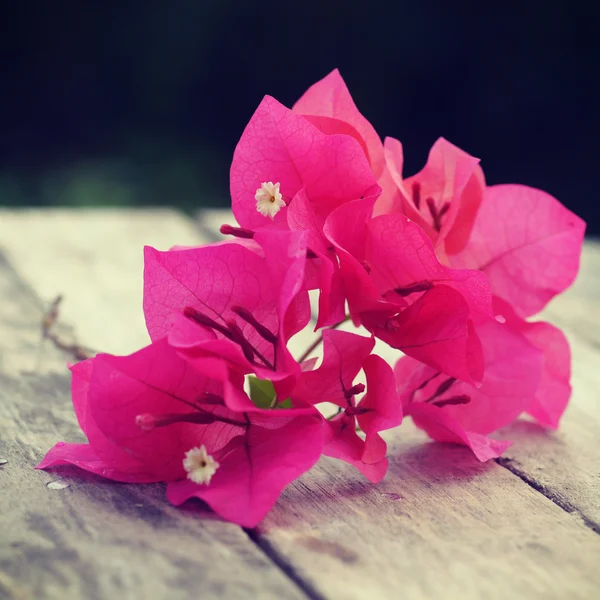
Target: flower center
199,465
435,213
269,200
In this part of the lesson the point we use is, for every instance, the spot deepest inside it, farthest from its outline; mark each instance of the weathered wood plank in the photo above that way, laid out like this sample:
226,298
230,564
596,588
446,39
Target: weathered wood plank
95,259
477,531
95,539
441,523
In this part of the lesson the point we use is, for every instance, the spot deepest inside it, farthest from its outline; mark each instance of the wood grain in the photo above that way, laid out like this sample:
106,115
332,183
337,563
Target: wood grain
96,540
95,259
443,525
440,525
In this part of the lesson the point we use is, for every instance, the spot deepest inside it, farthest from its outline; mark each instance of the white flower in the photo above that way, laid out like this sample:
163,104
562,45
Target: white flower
268,199
200,465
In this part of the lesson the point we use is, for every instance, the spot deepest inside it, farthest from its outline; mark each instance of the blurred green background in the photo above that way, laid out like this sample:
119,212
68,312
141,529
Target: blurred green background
142,103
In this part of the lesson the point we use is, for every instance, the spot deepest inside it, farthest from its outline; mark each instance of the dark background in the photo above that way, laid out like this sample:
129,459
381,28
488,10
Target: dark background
143,102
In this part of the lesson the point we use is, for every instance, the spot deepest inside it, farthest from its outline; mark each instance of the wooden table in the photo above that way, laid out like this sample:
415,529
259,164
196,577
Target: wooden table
441,525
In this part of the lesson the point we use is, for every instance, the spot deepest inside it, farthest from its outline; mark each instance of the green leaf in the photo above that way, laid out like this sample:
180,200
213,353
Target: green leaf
287,403
262,392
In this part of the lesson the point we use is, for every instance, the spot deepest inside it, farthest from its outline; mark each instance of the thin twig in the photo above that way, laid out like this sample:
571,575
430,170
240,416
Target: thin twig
49,320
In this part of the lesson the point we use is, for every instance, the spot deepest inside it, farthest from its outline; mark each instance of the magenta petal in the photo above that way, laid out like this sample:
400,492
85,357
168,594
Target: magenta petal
346,228
554,391
81,373
84,457
172,282
343,356
401,255
436,331
285,257
283,147
444,179
331,99
442,427
470,201
114,458
382,405
390,199
156,381
332,299
302,216
512,376
394,156
343,443
217,280
451,183
527,243
256,469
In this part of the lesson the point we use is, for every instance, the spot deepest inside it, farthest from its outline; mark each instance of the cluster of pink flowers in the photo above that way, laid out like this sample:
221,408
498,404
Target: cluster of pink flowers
438,265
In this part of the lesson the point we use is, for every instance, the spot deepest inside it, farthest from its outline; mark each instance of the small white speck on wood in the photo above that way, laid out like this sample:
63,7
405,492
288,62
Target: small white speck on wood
57,485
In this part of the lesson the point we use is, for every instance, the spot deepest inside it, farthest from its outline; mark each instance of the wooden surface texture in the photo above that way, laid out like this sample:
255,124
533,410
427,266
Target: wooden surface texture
441,525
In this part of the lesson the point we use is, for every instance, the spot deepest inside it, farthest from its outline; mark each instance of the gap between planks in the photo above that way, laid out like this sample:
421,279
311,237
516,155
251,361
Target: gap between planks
508,464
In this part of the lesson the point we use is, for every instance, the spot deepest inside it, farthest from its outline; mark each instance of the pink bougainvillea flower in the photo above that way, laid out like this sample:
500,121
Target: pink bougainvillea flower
329,106
554,391
397,288
151,416
286,150
231,301
454,411
287,174
527,243
443,198
322,270
344,355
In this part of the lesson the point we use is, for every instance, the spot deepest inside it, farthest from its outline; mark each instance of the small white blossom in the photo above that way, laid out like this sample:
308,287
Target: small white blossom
200,465
268,199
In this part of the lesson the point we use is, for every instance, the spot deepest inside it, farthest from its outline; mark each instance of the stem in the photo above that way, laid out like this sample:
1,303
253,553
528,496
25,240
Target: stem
319,340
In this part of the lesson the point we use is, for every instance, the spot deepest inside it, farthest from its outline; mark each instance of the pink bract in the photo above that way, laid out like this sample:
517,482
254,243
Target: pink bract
554,391
527,243
329,106
438,404
143,412
398,289
281,146
344,355
323,272
443,198
183,289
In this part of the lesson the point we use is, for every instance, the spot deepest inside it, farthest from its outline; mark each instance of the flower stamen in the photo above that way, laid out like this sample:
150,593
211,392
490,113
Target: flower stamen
269,200
199,465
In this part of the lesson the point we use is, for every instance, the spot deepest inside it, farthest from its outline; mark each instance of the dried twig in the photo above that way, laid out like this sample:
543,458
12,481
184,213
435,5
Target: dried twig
49,320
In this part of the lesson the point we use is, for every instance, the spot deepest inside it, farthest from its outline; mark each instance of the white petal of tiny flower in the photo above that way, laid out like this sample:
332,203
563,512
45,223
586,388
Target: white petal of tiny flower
268,199
200,465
